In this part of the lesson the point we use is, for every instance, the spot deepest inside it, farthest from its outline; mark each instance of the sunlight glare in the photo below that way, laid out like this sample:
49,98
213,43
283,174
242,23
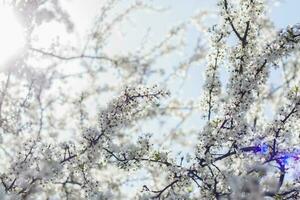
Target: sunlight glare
11,34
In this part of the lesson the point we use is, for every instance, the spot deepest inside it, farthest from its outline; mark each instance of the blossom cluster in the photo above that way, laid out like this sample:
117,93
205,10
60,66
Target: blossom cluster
56,146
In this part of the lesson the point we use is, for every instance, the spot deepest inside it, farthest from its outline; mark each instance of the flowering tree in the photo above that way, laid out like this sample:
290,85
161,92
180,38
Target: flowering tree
136,145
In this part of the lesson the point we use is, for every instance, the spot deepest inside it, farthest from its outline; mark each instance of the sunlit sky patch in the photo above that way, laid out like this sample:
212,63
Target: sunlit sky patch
11,34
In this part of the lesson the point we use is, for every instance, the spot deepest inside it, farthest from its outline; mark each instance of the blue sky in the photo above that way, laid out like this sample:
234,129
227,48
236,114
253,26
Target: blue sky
286,13
83,13
129,37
